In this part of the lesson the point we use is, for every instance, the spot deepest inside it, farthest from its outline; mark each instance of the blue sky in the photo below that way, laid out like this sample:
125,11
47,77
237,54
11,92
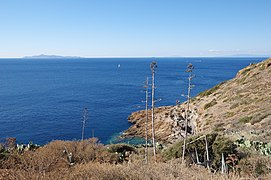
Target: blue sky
135,28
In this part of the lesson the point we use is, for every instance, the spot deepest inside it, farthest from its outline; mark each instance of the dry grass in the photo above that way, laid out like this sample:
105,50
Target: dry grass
135,170
255,165
94,161
52,156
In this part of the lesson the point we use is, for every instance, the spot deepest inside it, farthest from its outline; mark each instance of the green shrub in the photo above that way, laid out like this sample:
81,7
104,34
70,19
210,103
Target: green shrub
210,91
229,114
222,145
210,104
174,151
216,146
2,148
244,72
120,148
245,119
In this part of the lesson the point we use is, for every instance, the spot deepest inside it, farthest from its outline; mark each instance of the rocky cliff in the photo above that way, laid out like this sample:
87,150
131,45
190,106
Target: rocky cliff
239,106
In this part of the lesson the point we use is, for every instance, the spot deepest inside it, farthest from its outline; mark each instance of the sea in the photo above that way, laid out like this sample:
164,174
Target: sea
42,100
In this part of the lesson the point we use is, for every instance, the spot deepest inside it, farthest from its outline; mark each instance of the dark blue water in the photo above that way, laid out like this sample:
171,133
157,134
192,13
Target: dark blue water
43,100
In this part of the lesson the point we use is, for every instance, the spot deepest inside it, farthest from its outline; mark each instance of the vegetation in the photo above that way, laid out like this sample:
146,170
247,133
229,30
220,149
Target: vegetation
229,114
235,105
89,159
120,148
245,119
210,104
255,165
259,117
211,91
219,127
217,146
245,71
257,146
92,160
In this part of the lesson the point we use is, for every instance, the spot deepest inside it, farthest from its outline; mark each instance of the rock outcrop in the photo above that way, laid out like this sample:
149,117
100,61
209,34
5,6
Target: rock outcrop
240,106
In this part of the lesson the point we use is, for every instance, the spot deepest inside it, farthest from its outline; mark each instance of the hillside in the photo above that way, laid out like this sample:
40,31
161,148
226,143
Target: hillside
89,159
240,106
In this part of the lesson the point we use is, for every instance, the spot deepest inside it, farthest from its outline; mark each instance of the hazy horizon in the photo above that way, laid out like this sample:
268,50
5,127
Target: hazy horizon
101,57
120,57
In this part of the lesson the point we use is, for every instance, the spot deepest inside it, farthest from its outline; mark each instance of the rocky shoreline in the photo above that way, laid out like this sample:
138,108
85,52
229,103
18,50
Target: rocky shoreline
169,124
239,106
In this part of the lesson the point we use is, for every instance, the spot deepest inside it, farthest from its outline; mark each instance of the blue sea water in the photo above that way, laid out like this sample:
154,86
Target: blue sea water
43,99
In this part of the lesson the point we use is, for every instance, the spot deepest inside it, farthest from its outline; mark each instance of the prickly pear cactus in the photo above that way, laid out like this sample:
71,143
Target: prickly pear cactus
262,147
247,143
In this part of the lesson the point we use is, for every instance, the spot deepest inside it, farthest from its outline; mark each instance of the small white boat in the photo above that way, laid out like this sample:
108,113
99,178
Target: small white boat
118,65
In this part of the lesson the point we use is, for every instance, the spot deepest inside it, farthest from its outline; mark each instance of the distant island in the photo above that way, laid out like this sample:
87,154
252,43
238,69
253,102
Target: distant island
43,56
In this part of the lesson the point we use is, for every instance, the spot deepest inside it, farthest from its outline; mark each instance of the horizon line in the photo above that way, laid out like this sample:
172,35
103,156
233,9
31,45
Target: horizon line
101,57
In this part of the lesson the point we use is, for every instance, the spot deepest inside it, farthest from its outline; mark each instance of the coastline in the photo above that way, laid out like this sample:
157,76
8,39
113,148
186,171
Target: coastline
220,109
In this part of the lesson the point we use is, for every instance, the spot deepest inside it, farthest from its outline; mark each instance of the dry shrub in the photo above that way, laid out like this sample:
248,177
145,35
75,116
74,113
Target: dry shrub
136,170
255,165
51,157
93,161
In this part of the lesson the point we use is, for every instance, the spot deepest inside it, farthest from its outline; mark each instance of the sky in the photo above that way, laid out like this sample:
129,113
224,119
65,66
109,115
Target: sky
135,28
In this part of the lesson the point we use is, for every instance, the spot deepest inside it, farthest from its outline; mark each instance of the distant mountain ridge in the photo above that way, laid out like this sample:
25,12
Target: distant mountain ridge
44,56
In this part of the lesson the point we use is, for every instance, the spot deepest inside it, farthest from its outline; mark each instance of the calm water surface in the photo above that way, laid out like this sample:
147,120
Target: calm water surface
43,99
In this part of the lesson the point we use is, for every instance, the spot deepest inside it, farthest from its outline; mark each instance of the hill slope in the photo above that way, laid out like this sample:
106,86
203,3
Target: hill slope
240,106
